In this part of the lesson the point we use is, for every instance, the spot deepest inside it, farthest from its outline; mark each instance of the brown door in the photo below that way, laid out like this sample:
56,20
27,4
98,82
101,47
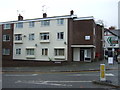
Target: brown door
81,55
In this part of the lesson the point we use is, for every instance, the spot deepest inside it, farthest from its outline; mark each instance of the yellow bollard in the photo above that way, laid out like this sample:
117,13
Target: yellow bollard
102,72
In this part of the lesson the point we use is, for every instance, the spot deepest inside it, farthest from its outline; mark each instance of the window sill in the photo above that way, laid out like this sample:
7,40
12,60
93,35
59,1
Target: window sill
30,57
59,57
18,42
44,41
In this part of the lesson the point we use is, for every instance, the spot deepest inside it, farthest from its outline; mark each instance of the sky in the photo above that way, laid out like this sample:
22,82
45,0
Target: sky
105,10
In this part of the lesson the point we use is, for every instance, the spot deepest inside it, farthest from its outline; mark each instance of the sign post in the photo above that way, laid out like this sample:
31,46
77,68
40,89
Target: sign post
102,72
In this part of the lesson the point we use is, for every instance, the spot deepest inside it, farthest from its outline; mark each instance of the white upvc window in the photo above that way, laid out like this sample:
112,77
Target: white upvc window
31,24
44,36
6,37
59,52
31,36
60,21
7,26
87,37
18,37
6,51
30,51
45,23
60,35
19,25
44,51
18,51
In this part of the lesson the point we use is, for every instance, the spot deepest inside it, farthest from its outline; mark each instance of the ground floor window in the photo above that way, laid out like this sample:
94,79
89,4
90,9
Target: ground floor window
30,52
6,51
18,51
44,51
59,52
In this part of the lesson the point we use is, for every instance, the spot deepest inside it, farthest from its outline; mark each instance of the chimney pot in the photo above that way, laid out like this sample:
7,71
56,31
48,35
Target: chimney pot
71,12
44,15
20,18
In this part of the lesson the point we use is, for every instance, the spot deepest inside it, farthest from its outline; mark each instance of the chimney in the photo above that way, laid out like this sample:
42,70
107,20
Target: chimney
71,12
44,15
20,18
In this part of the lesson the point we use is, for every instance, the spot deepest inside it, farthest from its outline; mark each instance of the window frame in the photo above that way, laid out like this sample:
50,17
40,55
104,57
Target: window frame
44,51
18,37
6,50
58,53
7,26
31,24
60,36
18,51
45,23
30,51
19,25
5,38
31,36
60,21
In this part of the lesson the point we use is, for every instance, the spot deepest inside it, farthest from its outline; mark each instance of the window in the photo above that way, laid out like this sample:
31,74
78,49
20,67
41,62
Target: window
7,26
6,37
60,35
18,51
18,37
45,23
19,25
30,52
87,37
60,21
44,36
59,52
31,36
31,24
6,51
45,51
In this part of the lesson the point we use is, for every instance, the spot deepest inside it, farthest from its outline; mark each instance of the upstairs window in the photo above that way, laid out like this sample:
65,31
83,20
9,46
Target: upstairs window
31,36
6,37
60,35
19,25
6,51
44,36
7,26
60,21
31,24
45,23
18,37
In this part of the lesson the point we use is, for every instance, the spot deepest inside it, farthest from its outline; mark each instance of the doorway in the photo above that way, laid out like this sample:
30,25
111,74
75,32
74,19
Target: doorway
81,55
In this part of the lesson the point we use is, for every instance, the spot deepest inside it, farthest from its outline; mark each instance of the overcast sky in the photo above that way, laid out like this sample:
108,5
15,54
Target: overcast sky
106,10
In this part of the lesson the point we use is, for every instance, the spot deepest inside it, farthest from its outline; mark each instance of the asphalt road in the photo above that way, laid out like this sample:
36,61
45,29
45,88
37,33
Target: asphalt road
56,79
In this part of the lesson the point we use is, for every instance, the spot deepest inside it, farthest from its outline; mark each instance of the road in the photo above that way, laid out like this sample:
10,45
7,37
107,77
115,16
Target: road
81,79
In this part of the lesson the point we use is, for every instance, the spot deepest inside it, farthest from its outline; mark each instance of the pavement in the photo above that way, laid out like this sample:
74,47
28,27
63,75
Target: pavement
71,67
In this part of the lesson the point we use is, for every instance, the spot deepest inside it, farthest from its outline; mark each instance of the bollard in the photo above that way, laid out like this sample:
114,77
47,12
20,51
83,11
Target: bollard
102,72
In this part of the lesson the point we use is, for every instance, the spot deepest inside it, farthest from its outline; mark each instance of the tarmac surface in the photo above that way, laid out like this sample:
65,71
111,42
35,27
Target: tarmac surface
71,67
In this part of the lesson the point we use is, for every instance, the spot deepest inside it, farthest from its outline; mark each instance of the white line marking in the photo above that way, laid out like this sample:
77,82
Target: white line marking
20,75
107,74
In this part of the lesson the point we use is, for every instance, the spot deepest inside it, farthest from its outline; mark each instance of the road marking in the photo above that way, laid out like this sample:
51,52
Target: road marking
18,75
55,83
107,74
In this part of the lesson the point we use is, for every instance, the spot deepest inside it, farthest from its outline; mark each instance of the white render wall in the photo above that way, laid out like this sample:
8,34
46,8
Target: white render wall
54,43
119,14
0,45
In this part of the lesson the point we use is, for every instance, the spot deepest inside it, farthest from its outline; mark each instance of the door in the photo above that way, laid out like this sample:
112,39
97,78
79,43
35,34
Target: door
81,55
